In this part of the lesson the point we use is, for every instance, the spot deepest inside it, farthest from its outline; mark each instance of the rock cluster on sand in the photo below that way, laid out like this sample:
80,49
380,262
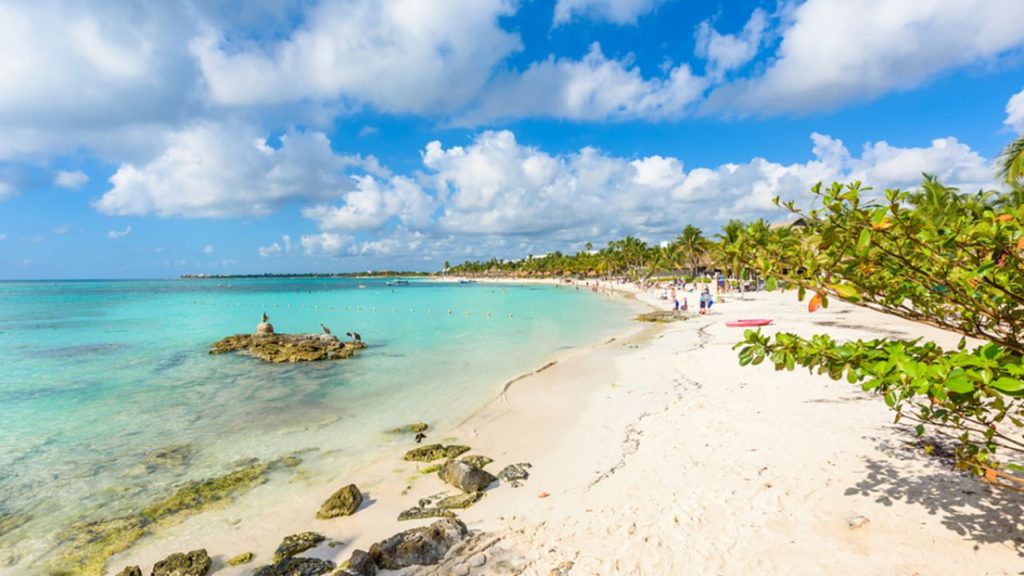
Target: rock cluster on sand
465,477
195,563
296,567
419,546
130,571
280,348
433,452
344,502
359,564
514,473
297,543
243,558
661,316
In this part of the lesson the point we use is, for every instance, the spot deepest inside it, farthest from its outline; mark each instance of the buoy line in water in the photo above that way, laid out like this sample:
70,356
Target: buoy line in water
450,312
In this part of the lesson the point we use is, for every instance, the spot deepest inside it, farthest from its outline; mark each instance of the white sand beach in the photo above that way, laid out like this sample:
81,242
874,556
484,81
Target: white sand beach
656,453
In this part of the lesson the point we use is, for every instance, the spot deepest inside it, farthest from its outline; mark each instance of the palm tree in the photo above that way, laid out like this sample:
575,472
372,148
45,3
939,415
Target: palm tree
730,247
1011,162
691,247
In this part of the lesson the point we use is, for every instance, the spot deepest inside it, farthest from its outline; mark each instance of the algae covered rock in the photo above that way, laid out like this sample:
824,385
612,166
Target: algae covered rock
661,317
422,512
433,452
460,501
195,563
130,571
297,543
515,472
477,460
10,521
360,563
280,348
344,502
296,567
85,546
195,496
465,477
169,457
419,546
410,428
243,558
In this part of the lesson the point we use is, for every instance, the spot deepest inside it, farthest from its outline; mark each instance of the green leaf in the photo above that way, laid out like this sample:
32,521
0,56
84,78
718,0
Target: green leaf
770,284
846,291
959,384
1008,384
864,241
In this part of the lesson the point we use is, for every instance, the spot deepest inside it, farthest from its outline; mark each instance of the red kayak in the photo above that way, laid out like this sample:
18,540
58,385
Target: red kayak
748,323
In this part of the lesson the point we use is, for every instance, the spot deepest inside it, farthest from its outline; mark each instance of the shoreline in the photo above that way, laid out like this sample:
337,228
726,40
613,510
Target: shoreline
659,454
383,479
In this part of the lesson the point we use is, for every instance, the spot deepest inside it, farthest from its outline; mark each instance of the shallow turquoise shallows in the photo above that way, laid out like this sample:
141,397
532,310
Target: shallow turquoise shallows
96,375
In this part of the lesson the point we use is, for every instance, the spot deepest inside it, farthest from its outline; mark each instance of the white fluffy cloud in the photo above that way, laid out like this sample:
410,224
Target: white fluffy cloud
497,186
594,88
1015,112
221,170
725,52
283,248
78,73
835,51
615,11
71,180
208,249
326,244
373,203
397,55
116,234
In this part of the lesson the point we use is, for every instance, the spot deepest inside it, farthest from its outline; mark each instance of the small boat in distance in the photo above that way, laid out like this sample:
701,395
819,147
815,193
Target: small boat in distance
465,281
398,282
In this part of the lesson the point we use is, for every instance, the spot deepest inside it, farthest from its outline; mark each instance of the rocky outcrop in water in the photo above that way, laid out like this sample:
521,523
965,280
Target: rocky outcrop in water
433,452
344,502
282,348
465,477
195,563
297,543
419,546
296,567
410,428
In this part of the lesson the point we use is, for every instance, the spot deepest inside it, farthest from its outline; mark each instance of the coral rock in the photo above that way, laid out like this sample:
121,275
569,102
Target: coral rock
344,502
465,477
419,546
195,563
297,543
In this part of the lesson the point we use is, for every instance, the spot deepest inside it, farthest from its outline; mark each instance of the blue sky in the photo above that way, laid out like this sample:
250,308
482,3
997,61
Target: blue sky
145,139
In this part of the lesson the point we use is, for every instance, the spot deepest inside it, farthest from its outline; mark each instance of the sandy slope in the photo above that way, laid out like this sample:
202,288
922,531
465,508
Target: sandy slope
658,454
685,463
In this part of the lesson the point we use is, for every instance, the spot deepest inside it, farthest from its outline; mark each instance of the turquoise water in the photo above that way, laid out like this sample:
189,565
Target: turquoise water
96,375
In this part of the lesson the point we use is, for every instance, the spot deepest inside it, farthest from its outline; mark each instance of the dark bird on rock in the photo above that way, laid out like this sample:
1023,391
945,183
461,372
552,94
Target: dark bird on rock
265,317
420,436
355,336
326,329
